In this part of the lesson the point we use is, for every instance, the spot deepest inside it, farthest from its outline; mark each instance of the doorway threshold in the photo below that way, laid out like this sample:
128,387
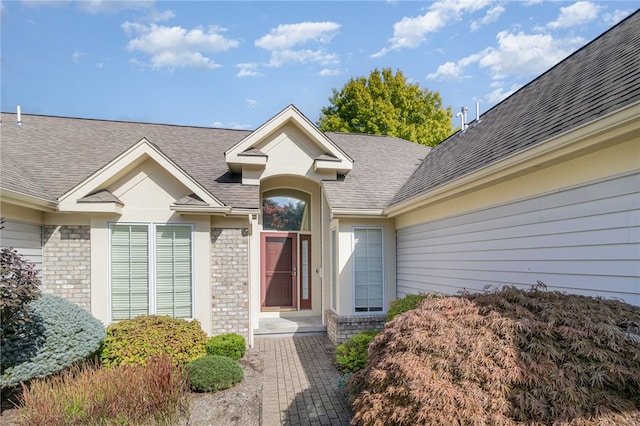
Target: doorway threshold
290,326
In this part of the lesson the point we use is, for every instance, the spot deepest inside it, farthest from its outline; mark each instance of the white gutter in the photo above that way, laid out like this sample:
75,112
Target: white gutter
610,127
25,200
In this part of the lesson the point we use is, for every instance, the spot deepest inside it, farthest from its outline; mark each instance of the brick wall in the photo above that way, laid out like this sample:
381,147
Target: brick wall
230,281
341,328
66,263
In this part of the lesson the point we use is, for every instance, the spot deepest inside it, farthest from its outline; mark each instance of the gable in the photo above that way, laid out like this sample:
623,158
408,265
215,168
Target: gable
103,191
287,144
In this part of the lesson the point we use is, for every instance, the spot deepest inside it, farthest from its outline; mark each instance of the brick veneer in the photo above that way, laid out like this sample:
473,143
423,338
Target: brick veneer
229,281
66,263
341,328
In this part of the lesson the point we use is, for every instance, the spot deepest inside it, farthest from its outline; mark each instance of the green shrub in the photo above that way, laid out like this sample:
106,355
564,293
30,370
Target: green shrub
407,303
18,286
155,393
59,334
231,345
351,355
213,373
508,357
136,340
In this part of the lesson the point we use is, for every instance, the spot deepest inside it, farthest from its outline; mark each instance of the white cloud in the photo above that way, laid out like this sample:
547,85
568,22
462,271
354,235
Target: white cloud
329,72
100,65
239,126
76,56
411,32
111,6
287,43
492,15
499,94
517,54
247,70
251,103
577,14
286,36
525,54
171,47
617,16
447,71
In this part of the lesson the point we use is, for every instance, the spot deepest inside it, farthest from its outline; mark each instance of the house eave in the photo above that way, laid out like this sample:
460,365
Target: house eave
24,200
357,213
213,211
618,126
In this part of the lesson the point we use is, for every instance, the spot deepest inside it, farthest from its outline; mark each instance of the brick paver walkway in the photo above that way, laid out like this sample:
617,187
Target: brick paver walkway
300,384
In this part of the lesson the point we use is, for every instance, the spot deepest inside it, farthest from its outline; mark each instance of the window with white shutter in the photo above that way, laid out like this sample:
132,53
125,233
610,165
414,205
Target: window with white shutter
151,270
368,271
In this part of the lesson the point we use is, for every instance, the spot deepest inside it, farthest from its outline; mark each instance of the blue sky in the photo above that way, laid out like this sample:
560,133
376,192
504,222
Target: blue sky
236,64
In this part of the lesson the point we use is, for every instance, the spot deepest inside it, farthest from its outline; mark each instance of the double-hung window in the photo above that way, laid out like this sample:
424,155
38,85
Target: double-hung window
368,269
151,270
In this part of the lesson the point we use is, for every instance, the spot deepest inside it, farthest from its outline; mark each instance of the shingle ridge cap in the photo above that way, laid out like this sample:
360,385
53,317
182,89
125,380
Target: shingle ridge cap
104,120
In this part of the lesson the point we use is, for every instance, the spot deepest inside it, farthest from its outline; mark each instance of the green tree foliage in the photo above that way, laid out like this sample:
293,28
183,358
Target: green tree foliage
385,104
283,218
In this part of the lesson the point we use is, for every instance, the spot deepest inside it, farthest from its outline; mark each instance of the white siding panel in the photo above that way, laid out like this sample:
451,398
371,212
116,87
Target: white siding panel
26,238
583,240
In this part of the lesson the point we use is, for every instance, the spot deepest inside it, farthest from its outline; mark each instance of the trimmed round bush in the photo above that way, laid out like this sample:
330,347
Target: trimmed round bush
407,303
351,355
136,340
231,345
213,373
57,335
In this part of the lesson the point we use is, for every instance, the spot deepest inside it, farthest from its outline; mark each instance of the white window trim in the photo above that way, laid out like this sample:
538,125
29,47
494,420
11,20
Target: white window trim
152,264
334,268
353,273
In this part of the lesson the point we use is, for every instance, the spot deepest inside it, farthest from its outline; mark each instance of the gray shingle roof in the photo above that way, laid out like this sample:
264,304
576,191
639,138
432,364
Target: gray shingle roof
48,156
596,80
381,166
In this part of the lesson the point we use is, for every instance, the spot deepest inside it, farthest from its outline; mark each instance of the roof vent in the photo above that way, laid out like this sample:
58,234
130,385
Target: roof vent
19,116
463,118
464,123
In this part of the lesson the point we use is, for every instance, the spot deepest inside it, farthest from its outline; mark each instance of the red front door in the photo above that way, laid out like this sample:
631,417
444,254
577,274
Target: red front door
279,275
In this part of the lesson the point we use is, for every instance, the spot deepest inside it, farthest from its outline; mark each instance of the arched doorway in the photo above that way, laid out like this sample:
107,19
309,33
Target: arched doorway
286,250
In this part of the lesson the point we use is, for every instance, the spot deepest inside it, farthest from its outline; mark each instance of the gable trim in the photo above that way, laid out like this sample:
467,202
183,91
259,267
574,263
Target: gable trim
241,154
135,155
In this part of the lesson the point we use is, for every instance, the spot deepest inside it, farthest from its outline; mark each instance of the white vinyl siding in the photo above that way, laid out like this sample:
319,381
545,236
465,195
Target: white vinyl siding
151,271
583,240
368,273
26,238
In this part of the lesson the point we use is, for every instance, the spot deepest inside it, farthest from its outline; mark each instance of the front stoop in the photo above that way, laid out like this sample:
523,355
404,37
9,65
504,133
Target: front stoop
290,326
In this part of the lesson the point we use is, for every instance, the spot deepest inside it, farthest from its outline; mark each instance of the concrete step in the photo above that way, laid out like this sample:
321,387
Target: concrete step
290,326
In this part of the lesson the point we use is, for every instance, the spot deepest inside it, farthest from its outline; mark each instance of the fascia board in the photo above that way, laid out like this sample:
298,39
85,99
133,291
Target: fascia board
24,200
622,122
358,213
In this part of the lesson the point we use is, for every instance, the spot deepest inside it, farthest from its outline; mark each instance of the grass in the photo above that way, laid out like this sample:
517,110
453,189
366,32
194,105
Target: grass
87,394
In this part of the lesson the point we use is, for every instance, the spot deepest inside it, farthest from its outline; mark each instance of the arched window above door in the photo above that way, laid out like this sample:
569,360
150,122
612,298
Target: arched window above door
286,210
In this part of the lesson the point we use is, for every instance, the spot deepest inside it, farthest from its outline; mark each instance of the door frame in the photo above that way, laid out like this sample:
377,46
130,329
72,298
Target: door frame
263,278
